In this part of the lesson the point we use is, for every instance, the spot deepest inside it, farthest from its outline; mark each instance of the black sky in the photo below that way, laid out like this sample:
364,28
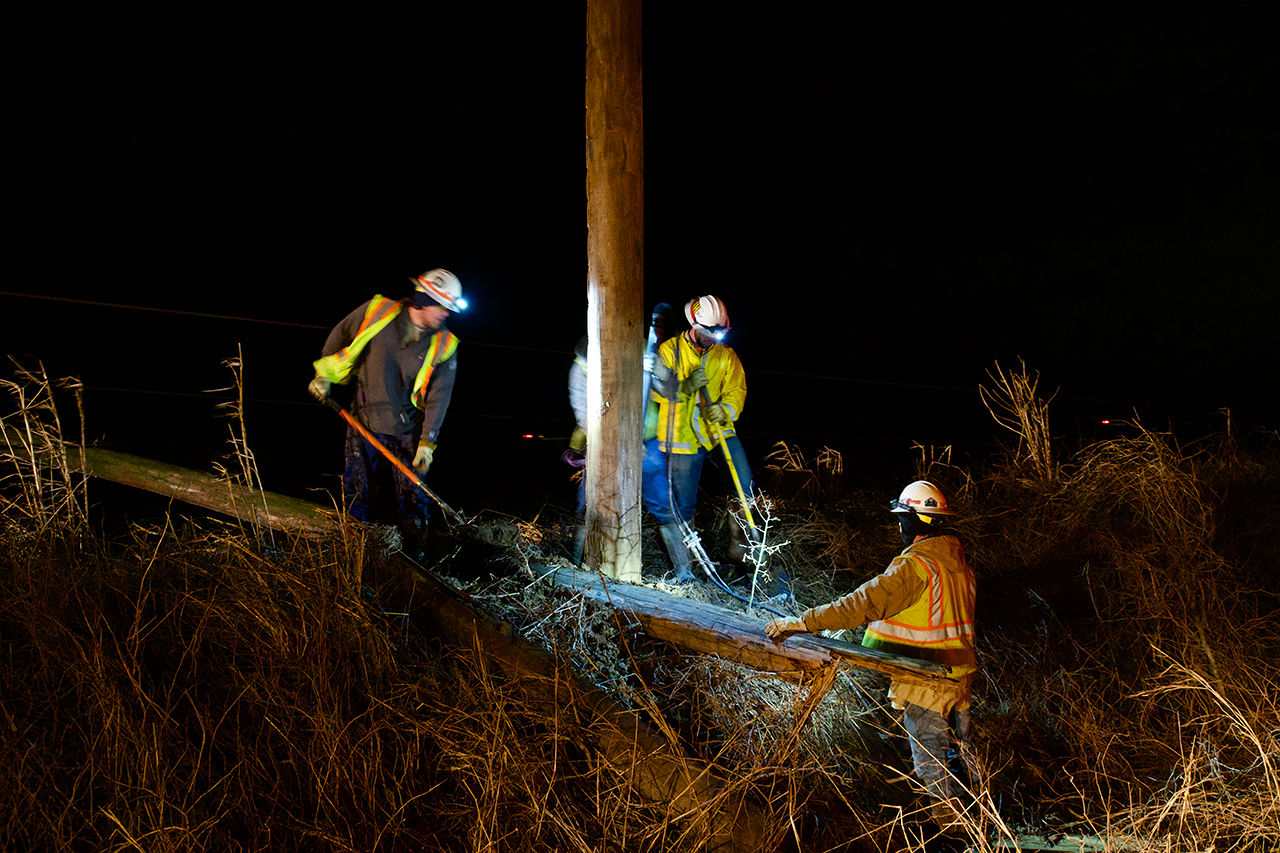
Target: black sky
892,193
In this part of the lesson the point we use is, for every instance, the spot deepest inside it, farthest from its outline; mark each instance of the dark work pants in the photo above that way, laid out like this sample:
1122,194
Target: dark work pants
366,466
939,750
686,471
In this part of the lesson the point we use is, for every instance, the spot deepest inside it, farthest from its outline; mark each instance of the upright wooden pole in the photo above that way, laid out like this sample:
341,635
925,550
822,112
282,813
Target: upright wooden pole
615,286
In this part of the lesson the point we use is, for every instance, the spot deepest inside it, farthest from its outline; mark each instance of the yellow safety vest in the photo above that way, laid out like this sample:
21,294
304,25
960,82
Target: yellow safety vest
938,626
444,344
381,311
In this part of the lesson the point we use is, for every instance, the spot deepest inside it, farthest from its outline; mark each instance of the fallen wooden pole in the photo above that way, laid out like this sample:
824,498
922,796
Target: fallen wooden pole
653,766
735,636
194,487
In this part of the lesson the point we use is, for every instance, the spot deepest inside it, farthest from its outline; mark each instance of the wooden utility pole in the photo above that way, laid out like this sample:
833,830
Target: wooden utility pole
615,286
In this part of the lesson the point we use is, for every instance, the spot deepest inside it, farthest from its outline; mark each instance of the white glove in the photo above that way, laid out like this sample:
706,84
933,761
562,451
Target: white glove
663,379
422,459
780,628
319,388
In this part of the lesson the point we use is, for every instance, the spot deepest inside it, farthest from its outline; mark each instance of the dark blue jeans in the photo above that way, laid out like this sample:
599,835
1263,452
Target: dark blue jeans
686,471
367,469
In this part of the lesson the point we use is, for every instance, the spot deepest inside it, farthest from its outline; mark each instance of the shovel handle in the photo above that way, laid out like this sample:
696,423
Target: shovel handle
396,461
733,470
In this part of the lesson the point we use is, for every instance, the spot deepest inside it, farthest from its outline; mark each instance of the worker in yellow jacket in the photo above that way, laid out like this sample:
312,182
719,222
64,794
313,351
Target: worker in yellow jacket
922,607
696,382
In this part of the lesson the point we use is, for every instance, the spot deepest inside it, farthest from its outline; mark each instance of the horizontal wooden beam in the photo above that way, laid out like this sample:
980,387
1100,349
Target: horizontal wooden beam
184,484
709,629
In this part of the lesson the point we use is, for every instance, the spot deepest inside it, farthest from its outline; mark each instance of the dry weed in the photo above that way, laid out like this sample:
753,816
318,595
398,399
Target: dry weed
39,493
1014,403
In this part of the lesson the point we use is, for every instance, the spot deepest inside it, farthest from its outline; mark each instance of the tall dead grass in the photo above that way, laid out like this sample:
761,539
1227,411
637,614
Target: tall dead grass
194,689
39,495
193,694
1132,667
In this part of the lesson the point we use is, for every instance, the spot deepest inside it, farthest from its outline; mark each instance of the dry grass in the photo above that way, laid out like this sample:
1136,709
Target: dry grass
193,689
1131,672
1015,404
194,695
39,495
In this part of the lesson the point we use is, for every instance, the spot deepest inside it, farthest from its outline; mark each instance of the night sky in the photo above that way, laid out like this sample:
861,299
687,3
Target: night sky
890,199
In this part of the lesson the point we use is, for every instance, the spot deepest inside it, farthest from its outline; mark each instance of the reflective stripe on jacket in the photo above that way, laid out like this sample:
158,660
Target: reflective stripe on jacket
726,385
444,344
938,625
380,312
337,367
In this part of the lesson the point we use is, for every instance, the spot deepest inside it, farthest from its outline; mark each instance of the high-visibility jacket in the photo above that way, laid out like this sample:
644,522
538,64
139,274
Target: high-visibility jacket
921,606
938,625
726,385
394,366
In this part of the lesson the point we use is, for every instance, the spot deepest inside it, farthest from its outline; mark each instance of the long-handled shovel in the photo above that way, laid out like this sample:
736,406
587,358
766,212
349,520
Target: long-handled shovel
733,471
758,555
395,460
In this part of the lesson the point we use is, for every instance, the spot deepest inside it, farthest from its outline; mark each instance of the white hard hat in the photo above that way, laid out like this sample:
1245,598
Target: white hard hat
440,287
922,498
708,314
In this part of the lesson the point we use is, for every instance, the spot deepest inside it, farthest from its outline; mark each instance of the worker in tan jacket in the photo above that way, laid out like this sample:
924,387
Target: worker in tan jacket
921,606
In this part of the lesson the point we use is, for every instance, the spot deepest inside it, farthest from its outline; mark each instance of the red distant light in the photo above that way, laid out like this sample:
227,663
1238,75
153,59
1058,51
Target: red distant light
1106,422
527,435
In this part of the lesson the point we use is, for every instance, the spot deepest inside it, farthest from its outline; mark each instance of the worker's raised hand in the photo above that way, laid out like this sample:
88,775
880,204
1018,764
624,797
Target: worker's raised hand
716,414
696,379
319,388
422,459
662,378
780,628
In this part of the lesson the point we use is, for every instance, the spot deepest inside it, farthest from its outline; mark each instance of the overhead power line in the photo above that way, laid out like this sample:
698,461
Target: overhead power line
886,383
239,319
159,310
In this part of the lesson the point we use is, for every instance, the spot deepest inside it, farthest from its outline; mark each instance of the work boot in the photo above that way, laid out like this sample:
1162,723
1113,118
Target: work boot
413,538
950,817
673,541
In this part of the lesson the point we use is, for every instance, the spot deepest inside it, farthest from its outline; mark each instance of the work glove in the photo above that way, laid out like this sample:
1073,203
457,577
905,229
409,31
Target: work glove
649,359
422,459
780,628
662,378
576,454
319,388
716,414
695,380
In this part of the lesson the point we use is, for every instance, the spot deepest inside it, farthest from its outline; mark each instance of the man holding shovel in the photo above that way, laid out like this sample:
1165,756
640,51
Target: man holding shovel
699,387
403,360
